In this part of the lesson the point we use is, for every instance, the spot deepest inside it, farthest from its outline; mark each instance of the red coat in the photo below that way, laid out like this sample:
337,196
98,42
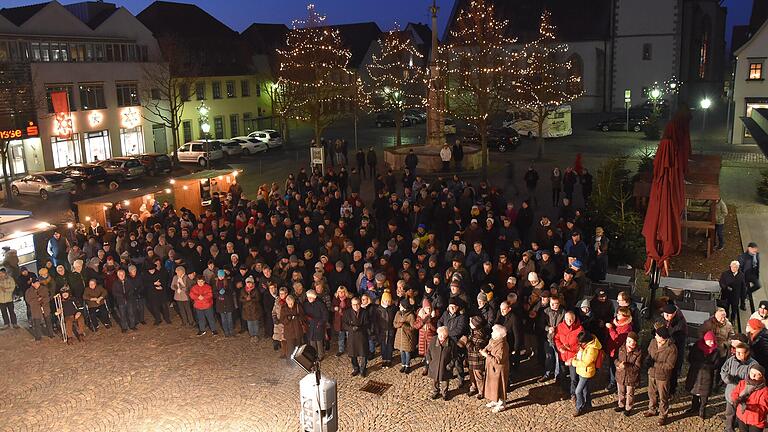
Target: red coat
206,291
756,407
617,336
567,339
427,330
339,306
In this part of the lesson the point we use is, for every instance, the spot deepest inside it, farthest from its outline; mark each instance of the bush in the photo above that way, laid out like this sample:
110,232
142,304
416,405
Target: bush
612,209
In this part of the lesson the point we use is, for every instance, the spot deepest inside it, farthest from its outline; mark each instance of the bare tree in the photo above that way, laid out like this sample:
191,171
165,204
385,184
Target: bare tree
476,60
18,105
166,87
545,79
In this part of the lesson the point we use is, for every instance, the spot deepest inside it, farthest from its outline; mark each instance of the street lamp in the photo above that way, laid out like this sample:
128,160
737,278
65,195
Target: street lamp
205,128
655,94
705,104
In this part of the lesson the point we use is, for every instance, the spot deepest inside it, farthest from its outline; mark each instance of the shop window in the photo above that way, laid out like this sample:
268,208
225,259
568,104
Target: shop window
132,141
97,147
66,151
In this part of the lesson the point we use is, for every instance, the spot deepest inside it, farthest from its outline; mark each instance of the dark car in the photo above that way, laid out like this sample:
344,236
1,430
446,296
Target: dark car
501,139
636,124
388,120
85,174
156,163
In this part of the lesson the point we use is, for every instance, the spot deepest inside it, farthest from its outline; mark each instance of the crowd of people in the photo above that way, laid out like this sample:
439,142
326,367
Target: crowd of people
457,273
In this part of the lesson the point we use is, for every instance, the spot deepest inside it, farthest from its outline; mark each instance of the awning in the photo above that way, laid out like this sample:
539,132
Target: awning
758,134
18,223
10,215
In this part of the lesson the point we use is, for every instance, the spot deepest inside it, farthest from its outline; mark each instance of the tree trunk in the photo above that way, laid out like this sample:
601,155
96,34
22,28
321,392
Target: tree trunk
6,178
540,138
484,147
398,128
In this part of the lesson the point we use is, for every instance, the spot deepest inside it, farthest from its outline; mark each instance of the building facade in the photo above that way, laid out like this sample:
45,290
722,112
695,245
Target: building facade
750,89
96,53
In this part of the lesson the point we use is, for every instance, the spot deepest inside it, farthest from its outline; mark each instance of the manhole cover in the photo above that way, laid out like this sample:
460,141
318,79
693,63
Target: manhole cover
376,387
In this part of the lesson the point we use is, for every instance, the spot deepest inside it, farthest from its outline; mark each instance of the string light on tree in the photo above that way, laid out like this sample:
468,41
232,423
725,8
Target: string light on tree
397,82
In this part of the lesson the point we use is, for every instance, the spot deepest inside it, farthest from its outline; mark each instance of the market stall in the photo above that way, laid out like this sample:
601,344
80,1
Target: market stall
25,235
138,201
194,191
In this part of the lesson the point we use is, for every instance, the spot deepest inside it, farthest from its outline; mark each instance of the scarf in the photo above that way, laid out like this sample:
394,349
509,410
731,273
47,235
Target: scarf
702,344
750,387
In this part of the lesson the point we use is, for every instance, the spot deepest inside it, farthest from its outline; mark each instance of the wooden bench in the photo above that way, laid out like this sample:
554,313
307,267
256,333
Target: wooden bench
707,226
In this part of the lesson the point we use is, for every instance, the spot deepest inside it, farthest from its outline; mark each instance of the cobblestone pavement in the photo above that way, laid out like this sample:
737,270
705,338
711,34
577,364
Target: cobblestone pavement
167,379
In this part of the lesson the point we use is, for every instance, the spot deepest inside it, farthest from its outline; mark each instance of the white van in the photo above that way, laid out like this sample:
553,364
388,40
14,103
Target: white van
557,124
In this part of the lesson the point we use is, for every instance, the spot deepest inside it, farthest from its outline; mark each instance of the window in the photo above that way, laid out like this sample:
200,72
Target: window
186,127
218,127
128,94
234,127
70,93
98,52
216,89
703,55
66,151
200,90
647,51
755,70
249,123
36,56
184,92
110,52
132,141
245,88
45,53
97,147
230,89
155,94
92,96
258,90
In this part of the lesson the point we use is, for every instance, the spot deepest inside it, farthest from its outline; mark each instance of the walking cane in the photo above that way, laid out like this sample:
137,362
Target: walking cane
89,318
60,313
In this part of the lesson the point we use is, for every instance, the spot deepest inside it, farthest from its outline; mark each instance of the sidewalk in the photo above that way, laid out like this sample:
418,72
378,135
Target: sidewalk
754,228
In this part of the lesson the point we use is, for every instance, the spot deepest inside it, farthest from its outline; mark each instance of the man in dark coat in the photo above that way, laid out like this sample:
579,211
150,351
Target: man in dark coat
733,291
372,160
678,332
411,161
317,318
382,317
154,284
357,324
57,249
510,316
750,265
440,356
458,327
125,296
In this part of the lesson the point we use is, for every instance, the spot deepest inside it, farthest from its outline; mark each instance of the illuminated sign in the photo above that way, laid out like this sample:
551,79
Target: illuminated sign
95,118
63,125
130,118
9,134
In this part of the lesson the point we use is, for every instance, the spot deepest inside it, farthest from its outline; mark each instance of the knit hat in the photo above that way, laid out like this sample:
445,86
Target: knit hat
662,332
478,321
632,335
456,301
386,296
249,279
764,304
533,277
669,308
755,324
221,273
577,264
482,297
758,368
710,336
584,303
405,304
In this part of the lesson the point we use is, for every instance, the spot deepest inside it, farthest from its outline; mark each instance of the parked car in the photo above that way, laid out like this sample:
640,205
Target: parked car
419,113
645,108
636,124
270,137
156,163
195,152
251,145
85,175
388,120
123,168
412,118
43,184
231,148
449,127
501,139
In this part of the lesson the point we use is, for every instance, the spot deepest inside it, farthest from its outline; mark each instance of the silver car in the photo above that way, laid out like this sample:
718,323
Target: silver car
270,137
123,168
195,152
42,184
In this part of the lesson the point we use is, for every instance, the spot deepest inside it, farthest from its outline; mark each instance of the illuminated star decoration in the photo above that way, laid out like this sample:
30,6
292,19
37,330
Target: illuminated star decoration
130,118
63,126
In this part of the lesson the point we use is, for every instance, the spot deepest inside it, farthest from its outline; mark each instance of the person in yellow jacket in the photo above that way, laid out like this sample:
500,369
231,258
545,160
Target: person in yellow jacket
586,363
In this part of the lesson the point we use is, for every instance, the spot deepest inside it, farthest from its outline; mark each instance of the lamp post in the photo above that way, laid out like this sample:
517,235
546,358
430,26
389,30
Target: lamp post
705,104
205,128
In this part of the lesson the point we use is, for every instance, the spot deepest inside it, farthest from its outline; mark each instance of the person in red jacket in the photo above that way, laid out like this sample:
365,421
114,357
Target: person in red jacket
567,343
201,295
617,336
751,399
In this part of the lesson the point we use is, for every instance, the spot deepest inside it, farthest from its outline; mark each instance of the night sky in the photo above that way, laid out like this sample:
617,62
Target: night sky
238,14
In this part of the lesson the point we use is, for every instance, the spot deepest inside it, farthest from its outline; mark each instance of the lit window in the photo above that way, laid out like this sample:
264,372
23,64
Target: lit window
755,71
